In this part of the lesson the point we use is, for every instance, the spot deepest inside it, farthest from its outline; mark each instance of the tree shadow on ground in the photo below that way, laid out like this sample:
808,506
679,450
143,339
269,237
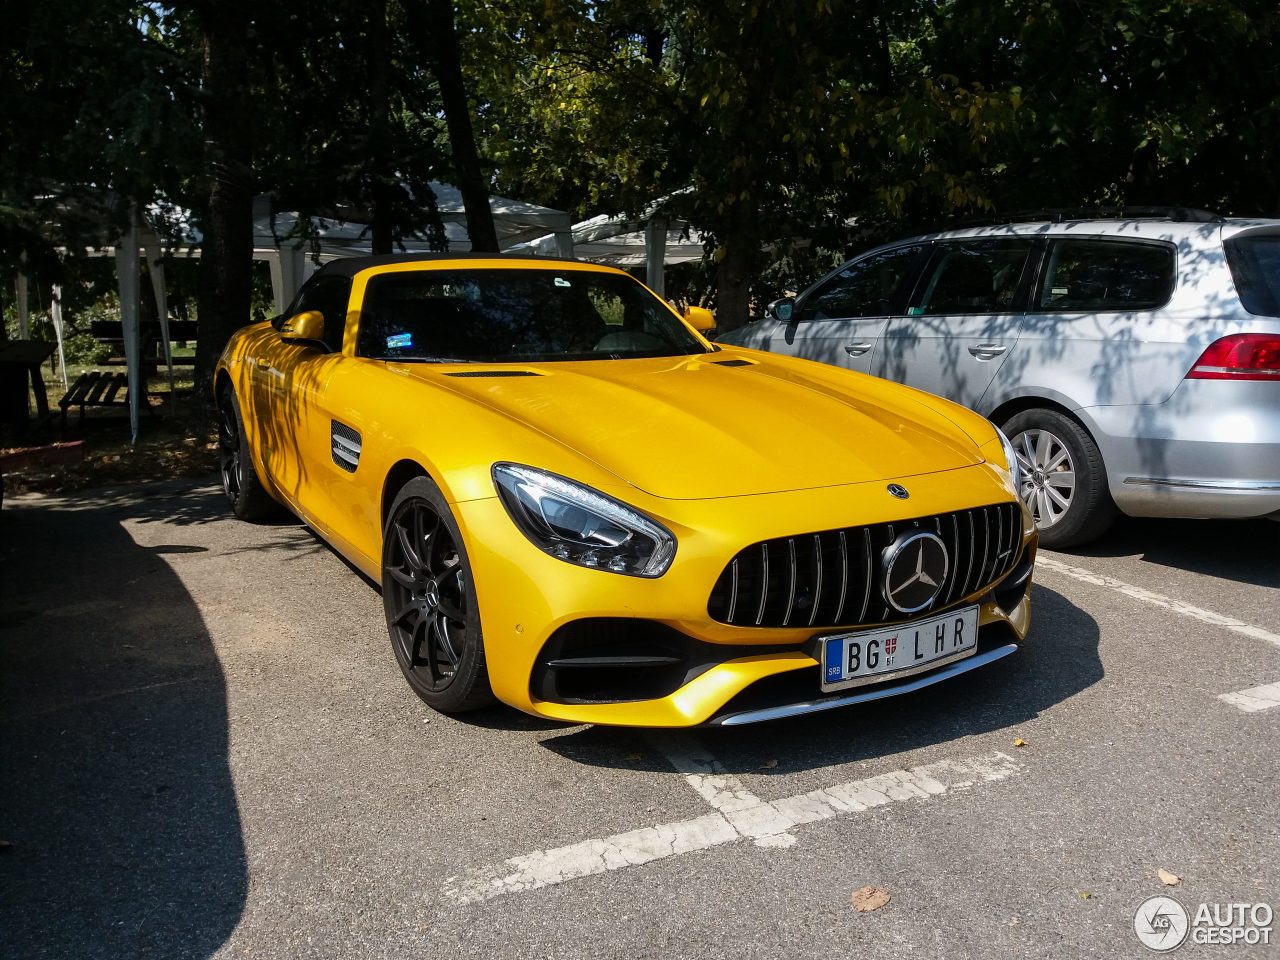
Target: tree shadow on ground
1059,660
116,795
1246,551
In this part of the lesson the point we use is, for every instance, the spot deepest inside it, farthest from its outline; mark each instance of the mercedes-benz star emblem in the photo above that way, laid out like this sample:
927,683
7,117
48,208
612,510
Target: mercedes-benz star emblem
915,568
897,490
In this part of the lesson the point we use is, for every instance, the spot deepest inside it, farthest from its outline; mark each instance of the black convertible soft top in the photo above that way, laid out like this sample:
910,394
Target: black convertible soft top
350,266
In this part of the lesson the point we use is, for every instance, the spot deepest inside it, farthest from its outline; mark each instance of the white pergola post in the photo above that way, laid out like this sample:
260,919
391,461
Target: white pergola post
24,308
59,331
288,273
655,254
155,266
127,262
293,270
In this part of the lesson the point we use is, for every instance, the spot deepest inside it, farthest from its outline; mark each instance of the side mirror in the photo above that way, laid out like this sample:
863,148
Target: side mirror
783,309
700,318
306,327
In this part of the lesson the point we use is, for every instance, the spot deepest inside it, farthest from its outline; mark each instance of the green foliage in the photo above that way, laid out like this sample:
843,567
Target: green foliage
793,133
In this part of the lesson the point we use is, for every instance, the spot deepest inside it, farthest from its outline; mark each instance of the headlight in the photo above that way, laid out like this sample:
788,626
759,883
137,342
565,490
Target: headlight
579,525
1011,458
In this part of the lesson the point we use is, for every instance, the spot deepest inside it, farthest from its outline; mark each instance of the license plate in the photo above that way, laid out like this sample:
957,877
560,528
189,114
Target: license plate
853,659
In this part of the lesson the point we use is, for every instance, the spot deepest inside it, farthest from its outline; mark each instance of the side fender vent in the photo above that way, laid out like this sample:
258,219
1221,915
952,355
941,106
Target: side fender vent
346,446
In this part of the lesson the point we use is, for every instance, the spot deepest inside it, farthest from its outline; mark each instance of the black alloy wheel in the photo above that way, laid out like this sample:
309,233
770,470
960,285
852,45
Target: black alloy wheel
229,463
240,481
430,603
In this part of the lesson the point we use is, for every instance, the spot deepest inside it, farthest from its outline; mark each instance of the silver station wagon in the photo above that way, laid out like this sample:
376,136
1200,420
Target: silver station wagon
1134,363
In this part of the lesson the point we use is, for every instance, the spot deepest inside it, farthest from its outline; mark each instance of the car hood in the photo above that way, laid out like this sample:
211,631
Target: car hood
722,425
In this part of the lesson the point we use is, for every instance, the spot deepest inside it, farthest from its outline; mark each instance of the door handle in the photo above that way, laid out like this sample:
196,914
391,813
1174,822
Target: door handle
985,351
857,349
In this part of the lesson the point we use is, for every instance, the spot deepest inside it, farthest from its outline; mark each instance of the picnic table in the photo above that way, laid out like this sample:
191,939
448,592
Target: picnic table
19,372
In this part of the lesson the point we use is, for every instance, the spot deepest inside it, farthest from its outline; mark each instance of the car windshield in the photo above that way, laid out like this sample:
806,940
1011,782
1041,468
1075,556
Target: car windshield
519,315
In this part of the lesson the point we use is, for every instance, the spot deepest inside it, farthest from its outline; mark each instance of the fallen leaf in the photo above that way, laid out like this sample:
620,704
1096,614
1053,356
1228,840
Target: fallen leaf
768,764
866,899
633,757
1085,895
1019,742
1167,878
1014,921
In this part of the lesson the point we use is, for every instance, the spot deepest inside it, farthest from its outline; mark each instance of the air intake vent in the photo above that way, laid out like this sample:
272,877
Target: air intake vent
346,446
494,373
733,363
834,578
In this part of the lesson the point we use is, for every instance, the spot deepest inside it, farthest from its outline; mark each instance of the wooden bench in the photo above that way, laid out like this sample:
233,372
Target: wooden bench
97,389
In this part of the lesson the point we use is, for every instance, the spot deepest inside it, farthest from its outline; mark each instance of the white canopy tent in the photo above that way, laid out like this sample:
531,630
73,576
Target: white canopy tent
281,241
279,238
654,240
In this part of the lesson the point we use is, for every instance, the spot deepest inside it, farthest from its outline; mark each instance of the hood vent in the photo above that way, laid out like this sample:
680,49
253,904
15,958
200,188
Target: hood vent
494,373
733,363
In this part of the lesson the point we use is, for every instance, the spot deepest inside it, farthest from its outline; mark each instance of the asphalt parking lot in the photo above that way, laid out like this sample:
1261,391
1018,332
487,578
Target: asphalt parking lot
206,750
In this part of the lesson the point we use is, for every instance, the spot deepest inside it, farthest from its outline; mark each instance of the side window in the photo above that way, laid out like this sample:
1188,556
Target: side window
1095,275
974,276
329,295
867,288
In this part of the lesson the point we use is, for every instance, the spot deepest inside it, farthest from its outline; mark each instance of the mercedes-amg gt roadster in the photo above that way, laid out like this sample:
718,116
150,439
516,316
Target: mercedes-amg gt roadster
577,504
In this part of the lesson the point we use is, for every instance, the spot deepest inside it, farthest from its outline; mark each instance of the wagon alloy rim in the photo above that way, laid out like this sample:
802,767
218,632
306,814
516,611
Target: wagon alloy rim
229,449
427,583
1048,475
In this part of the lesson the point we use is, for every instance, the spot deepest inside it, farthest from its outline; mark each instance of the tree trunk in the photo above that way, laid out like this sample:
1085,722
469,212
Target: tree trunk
457,111
733,282
380,161
226,254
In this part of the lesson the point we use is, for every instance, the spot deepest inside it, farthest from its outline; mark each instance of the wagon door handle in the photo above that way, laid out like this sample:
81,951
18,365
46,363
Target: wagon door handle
857,349
985,351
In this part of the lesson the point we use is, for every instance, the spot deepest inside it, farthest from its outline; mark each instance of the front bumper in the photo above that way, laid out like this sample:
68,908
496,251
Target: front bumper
530,601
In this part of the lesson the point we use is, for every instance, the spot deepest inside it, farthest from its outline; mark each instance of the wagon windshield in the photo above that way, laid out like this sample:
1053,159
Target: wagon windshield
519,315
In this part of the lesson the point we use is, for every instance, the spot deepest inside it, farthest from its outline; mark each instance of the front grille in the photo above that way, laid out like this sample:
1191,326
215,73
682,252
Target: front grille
833,578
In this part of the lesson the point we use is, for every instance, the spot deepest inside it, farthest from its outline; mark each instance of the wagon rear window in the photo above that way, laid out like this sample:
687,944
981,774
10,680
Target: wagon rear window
516,316
1255,267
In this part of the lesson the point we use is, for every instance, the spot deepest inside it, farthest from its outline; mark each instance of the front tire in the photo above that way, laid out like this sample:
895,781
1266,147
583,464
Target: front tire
240,481
1064,481
430,602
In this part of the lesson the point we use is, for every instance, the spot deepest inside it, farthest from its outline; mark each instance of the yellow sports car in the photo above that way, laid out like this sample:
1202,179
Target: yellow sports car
577,504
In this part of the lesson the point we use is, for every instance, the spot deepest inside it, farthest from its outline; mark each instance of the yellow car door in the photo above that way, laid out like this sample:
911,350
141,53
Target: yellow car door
289,377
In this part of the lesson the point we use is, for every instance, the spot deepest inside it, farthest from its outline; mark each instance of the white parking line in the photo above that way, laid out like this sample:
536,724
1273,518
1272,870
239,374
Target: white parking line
739,815
725,792
1255,698
1158,599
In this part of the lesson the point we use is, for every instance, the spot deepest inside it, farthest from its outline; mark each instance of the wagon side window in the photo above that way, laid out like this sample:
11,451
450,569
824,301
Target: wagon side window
975,277
1090,276
872,287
